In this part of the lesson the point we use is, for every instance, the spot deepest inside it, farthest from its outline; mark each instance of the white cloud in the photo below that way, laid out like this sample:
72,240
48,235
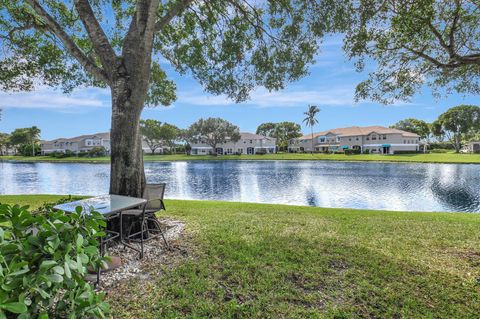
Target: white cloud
340,96
46,98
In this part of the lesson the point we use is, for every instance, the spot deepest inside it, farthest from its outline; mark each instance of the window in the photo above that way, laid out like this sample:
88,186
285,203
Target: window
322,139
338,138
404,142
349,139
368,138
251,141
374,137
356,138
384,137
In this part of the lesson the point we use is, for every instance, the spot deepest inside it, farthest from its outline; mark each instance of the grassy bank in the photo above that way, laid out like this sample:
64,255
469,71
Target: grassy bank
273,261
414,158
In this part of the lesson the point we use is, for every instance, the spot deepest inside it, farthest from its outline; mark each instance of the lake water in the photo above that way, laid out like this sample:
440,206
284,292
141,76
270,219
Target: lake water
390,186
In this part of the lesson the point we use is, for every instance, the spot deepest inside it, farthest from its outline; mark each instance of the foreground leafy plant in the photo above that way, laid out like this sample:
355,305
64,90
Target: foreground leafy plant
44,257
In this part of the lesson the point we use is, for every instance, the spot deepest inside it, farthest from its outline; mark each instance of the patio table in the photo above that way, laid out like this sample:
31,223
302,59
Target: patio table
110,206
104,204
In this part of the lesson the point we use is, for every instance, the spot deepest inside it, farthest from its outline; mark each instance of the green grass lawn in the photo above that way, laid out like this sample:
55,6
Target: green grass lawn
421,158
273,261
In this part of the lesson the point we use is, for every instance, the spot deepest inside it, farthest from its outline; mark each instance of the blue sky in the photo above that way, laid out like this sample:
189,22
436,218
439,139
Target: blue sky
330,85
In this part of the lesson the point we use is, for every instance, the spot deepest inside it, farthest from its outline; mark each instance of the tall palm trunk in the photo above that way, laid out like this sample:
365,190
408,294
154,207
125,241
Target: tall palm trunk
311,127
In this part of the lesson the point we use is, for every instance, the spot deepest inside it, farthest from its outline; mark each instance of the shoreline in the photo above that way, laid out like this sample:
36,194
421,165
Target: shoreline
435,158
22,197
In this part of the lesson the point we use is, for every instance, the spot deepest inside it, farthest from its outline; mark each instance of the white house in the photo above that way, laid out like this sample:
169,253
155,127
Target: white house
375,139
473,147
249,143
79,144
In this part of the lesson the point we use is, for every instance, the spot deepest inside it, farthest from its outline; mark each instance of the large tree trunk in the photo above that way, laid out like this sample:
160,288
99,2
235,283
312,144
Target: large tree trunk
127,175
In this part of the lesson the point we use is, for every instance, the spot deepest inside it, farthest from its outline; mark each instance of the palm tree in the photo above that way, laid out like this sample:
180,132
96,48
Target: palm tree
34,134
311,118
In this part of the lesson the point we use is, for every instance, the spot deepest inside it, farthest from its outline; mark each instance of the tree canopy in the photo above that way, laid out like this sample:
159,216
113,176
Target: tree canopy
434,42
230,46
213,131
157,134
457,123
282,132
416,126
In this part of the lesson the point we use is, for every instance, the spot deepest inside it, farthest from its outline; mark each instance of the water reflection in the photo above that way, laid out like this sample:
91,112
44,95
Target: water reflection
409,187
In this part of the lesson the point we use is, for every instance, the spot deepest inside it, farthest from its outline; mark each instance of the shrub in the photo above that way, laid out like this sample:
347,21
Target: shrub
26,149
67,153
439,150
441,145
351,151
366,151
97,151
405,152
44,258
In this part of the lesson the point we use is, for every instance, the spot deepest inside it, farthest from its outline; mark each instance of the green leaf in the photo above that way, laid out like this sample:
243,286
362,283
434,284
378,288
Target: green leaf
47,264
58,270
91,250
79,241
68,273
15,307
19,272
43,315
55,278
42,293
2,315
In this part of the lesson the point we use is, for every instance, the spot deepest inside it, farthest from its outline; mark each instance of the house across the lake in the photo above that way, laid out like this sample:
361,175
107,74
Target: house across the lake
371,139
473,147
85,143
79,144
249,143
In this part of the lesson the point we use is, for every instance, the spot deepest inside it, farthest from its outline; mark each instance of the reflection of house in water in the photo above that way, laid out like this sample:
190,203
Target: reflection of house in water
456,196
311,197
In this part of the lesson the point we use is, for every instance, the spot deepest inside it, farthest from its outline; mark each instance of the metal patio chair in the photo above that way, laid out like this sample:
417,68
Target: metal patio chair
149,225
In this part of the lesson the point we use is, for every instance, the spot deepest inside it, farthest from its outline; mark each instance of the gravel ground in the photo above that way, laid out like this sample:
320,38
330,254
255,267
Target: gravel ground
156,255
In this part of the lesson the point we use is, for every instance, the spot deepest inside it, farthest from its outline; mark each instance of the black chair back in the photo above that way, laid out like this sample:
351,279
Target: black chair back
154,194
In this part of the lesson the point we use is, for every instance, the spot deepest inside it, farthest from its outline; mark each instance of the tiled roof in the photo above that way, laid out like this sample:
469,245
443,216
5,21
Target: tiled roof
359,131
251,136
104,135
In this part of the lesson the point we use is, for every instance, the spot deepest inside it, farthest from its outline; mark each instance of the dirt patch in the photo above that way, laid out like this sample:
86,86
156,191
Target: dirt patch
472,257
156,257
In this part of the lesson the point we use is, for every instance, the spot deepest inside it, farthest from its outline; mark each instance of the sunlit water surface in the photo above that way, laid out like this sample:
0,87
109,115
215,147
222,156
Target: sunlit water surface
390,186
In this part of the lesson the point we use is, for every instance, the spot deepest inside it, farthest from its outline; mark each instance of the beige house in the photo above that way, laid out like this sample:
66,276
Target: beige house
249,143
375,139
79,144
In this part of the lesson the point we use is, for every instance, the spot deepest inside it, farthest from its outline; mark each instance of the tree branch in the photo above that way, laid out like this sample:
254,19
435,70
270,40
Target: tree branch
100,42
431,59
176,10
68,43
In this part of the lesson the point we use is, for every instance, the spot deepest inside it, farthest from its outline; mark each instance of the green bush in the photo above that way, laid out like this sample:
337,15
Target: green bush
97,151
67,153
439,150
441,145
44,257
351,151
366,151
26,149
405,152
